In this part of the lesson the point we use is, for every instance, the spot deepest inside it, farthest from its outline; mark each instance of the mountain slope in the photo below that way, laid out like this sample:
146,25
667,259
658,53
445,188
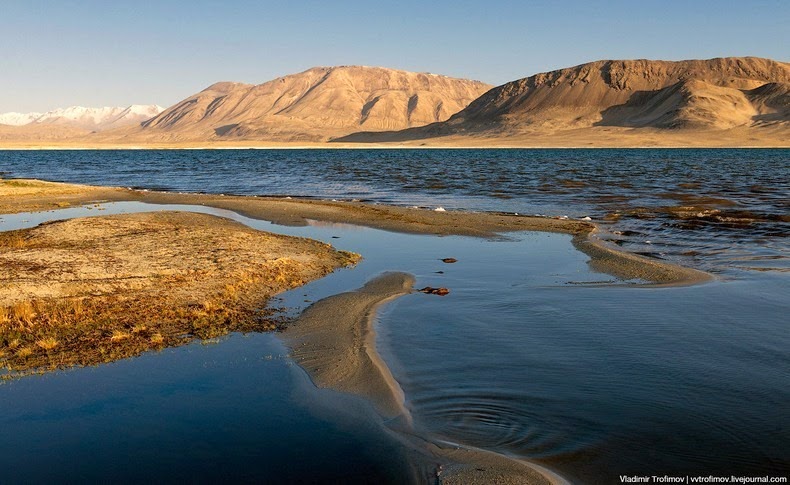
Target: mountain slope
314,105
701,94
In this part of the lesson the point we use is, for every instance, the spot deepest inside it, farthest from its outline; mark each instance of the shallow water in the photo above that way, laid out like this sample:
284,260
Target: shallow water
593,381
234,410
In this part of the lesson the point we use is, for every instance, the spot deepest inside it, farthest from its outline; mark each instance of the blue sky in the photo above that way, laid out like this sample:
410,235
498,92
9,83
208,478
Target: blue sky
112,53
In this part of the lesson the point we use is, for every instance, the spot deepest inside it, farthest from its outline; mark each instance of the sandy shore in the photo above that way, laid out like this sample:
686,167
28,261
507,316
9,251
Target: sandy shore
334,342
91,290
32,195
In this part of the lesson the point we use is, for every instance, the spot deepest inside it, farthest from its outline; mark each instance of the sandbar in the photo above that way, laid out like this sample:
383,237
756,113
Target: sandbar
334,341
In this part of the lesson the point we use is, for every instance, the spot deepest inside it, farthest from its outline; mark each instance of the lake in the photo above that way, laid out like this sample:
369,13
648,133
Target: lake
522,358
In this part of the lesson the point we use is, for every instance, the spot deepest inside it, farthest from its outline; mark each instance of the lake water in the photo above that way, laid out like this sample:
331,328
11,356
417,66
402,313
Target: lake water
721,210
592,381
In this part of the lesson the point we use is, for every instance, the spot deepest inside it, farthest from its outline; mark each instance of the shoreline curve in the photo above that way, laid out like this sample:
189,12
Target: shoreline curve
333,340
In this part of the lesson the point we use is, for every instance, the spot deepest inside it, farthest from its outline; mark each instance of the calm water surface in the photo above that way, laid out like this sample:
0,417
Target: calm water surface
593,381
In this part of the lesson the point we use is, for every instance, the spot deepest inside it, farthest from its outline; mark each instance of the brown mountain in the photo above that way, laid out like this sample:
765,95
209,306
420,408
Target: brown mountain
314,105
713,94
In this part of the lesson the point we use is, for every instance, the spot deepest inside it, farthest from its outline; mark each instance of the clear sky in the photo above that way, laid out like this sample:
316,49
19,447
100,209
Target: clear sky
59,53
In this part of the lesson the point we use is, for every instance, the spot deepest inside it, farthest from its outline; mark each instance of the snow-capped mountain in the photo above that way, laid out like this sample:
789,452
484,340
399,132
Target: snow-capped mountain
18,119
88,118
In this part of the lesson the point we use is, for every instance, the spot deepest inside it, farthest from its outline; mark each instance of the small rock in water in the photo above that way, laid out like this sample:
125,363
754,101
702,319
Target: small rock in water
449,260
439,209
586,218
429,290
439,272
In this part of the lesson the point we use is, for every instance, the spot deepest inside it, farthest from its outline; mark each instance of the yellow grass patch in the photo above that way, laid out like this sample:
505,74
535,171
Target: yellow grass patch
24,352
119,335
48,343
23,312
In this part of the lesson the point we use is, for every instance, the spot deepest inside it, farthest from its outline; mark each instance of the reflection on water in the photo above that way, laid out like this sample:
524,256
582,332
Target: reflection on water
720,210
592,381
227,412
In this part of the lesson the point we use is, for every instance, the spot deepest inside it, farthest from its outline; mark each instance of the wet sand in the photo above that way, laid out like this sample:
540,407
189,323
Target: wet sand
297,212
334,341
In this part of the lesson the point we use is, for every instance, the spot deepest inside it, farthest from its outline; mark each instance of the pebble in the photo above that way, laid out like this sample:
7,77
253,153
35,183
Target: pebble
434,291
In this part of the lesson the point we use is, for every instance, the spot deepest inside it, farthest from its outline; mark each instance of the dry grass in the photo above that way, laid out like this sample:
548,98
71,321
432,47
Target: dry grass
48,343
12,240
25,352
45,335
23,312
118,335
209,278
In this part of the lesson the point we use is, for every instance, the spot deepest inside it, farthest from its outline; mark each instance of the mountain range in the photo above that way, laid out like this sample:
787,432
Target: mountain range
734,101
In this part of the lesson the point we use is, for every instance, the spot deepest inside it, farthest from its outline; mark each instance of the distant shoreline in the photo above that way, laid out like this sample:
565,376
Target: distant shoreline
395,147
689,140
584,138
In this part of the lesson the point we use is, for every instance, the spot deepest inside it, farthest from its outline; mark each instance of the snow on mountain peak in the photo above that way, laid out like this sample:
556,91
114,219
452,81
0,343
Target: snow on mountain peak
87,118
18,119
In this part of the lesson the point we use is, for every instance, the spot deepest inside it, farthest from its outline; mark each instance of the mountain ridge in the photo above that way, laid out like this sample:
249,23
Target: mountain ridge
313,105
718,93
